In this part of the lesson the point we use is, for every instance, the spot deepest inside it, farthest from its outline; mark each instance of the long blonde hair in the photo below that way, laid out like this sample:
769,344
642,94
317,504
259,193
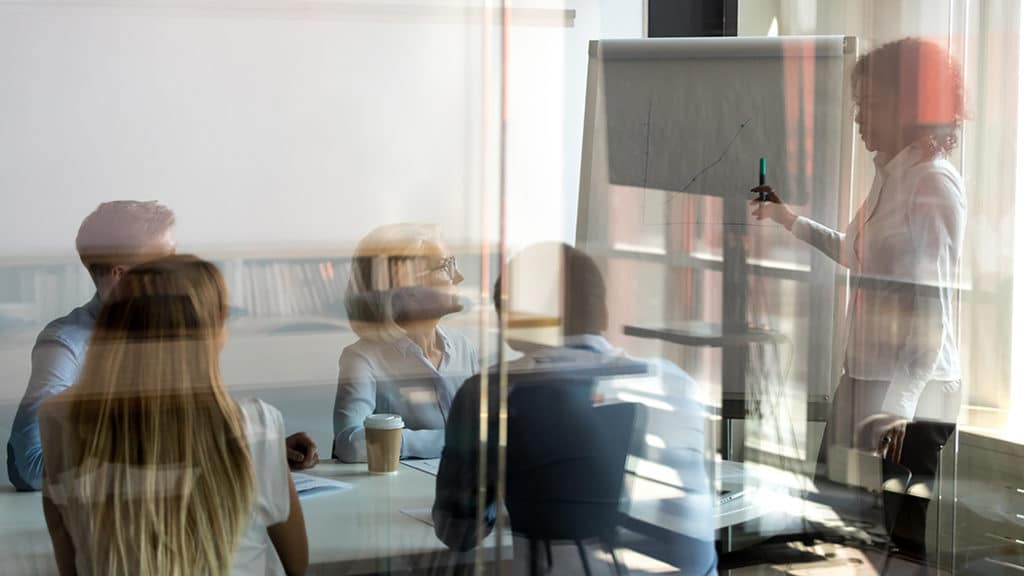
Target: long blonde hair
165,477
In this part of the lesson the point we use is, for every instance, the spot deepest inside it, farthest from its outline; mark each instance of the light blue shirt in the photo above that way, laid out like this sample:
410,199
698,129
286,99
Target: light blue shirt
56,359
397,378
676,415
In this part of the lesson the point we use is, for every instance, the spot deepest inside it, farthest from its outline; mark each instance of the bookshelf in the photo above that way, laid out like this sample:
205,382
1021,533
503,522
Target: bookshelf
264,287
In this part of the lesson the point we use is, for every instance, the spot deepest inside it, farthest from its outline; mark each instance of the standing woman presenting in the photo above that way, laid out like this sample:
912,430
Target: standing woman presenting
902,249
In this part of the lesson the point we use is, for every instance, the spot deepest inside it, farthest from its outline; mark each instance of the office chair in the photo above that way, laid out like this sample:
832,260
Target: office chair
908,488
566,464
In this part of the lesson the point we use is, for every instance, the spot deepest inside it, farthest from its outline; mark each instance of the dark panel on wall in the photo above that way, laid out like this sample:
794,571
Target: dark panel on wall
686,18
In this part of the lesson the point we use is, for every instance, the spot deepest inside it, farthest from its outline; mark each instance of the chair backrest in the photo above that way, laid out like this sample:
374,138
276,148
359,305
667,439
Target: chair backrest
566,460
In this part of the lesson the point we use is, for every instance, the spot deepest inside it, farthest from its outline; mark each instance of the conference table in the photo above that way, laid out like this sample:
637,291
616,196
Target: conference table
371,529
379,525
362,530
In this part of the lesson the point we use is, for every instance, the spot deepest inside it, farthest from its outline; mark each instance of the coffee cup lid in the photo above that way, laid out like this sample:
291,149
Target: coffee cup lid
384,422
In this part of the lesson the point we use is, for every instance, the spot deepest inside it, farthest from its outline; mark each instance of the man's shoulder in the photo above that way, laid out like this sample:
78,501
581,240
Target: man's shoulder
471,386
667,369
55,409
466,403
72,330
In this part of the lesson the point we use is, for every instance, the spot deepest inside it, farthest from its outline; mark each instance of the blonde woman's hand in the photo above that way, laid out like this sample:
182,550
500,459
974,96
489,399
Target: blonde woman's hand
302,451
772,207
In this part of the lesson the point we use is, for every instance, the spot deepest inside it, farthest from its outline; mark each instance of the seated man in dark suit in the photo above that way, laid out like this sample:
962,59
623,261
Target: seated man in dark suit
565,457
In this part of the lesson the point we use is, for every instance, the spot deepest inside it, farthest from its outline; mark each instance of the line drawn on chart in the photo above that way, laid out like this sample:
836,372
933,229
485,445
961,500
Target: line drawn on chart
665,218
703,170
673,194
647,151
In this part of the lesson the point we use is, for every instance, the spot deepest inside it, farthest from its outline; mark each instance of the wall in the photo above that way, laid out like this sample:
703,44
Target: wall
289,128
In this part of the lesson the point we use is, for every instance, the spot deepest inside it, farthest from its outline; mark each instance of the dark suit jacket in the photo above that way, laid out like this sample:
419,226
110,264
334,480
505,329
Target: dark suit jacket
552,428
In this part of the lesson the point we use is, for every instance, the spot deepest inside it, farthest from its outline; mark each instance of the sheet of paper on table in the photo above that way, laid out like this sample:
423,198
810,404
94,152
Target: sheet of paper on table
308,486
429,465
422,514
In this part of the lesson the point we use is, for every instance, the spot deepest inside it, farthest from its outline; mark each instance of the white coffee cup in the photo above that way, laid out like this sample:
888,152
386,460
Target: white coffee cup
383,442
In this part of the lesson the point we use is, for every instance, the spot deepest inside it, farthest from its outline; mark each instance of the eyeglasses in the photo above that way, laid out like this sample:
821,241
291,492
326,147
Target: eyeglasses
448,266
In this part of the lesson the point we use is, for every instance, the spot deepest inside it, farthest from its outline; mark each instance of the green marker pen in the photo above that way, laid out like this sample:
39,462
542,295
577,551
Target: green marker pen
762,179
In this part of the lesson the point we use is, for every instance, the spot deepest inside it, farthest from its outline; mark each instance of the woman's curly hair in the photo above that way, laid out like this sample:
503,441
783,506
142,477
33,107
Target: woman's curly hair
928,83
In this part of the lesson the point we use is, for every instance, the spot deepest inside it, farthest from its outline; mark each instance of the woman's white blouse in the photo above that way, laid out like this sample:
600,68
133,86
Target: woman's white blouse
903,251
265,433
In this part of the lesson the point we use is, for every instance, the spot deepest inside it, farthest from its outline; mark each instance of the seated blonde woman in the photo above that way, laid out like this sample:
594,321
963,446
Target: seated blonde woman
403,281
149,466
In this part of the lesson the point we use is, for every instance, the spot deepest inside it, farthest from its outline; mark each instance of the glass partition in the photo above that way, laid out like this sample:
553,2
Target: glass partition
440,286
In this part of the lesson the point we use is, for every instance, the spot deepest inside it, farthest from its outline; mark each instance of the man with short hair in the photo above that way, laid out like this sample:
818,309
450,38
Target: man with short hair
557,443
114,237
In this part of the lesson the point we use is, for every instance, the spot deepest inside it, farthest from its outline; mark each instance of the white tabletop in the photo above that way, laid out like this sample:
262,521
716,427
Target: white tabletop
354,532
363,530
